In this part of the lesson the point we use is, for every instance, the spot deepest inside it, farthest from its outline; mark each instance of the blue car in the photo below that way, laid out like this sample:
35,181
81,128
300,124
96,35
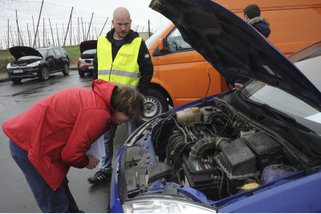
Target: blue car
252,149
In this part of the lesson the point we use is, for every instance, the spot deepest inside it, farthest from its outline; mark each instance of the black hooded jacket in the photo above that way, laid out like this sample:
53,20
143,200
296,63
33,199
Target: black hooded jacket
144,60
261,25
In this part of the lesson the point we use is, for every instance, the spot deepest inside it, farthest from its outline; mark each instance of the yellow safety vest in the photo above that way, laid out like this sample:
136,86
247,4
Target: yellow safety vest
124,70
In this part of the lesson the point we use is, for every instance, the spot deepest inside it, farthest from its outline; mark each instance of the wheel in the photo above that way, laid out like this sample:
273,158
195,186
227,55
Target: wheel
155,104
66,69
16,80
81,73
44,73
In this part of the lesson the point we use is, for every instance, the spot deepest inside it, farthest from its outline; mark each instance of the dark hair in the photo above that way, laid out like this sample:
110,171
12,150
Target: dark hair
128,100
252,11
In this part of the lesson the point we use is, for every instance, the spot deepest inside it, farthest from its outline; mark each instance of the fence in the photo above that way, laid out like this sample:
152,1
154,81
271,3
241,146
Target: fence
39,24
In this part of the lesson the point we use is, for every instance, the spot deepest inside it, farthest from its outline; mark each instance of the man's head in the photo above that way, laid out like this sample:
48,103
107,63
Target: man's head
251,11
128,103
122,23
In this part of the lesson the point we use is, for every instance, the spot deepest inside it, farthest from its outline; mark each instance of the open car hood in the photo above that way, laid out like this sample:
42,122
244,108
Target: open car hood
234,47
87,45
20,51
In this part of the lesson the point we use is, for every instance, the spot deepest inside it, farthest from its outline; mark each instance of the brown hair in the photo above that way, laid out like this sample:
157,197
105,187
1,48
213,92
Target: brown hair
128,100
252,11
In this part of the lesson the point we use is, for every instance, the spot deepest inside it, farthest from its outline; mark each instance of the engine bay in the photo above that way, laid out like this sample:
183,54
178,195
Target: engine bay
211,149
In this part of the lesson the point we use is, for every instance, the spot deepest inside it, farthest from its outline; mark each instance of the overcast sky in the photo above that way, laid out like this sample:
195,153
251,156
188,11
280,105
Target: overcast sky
139,9
23,16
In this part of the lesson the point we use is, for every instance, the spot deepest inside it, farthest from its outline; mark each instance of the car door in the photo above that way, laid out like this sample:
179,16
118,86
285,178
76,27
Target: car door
51,60
188,76
59,59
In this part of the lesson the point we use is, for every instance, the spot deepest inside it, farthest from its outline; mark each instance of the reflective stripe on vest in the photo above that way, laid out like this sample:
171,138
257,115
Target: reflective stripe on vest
124,70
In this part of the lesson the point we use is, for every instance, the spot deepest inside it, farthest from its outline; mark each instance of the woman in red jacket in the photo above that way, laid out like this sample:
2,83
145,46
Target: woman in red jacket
56,132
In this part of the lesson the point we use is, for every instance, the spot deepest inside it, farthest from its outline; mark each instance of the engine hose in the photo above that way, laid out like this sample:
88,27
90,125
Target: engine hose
176,140
179,158
200,147
176,151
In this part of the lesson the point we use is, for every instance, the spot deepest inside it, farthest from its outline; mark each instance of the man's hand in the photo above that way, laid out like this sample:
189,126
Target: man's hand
93,161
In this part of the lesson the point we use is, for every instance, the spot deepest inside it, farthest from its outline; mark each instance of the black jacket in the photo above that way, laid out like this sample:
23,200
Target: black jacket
261,25
144,60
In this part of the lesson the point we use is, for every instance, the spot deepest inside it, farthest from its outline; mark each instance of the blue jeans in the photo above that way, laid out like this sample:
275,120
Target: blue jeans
106,162
48,200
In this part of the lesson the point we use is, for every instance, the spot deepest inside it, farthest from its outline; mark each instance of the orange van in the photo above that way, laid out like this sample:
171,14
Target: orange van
181,75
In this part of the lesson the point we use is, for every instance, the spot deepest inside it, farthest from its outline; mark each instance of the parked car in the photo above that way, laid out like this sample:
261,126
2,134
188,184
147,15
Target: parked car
254,149
308,60
182,75
87,55
37,63
311,51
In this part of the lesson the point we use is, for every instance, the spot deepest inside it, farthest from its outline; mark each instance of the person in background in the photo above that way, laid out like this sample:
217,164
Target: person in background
57,131
252,15
122,58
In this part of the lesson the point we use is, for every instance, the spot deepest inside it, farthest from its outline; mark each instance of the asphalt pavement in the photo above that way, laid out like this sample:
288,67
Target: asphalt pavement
15,194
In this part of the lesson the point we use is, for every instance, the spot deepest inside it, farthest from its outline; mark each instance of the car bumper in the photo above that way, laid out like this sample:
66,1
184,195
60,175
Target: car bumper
86,68
22,72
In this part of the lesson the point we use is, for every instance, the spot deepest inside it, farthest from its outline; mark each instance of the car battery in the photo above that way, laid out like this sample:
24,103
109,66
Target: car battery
267,150
203,176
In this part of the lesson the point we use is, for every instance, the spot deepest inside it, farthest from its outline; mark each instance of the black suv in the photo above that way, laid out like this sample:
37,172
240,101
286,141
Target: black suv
40,62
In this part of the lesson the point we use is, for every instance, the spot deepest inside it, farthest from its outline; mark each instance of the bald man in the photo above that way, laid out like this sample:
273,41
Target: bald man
122,58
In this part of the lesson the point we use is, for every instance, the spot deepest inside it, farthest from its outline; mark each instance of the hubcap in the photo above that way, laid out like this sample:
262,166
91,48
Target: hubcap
66,69
45,74
152,107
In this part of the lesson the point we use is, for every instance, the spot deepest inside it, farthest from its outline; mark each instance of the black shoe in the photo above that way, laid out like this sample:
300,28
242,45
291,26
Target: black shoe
99,176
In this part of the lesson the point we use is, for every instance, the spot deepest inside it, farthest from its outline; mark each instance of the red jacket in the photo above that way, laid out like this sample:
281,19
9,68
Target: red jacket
58,130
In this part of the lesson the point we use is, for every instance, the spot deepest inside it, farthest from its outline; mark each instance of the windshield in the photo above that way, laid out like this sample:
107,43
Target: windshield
42,51
282,101
311,69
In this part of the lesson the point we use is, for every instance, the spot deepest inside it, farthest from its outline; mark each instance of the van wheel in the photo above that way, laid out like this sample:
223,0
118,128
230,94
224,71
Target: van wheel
44,73
66,69
155,104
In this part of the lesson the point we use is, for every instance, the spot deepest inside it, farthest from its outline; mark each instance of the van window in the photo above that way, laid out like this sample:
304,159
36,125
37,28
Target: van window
176,43
150,41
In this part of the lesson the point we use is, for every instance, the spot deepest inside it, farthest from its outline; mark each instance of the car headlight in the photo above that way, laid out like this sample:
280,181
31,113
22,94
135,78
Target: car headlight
34,64
161,205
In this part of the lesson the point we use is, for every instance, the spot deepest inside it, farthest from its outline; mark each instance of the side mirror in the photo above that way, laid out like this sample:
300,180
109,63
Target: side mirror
160,50
161,45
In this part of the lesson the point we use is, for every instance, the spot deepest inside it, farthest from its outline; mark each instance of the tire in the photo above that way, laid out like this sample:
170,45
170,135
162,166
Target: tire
155,104
66,70
81,73
44,74
16,81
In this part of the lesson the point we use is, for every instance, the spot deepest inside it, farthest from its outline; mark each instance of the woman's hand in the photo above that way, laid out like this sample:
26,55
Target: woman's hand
93,161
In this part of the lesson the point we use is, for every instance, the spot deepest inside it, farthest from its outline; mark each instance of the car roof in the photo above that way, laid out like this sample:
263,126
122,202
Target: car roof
310,51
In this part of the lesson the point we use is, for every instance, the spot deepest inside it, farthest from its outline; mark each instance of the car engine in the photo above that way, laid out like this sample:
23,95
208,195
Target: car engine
213,150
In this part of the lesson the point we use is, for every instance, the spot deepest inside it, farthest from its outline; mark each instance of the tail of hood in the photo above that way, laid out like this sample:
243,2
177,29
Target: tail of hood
104,90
